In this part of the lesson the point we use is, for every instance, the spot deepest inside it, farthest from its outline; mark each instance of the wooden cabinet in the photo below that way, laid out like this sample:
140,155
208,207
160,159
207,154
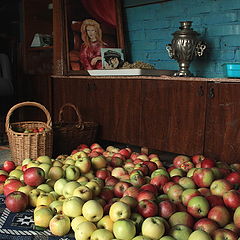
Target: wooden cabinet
222,134
173,115
114,104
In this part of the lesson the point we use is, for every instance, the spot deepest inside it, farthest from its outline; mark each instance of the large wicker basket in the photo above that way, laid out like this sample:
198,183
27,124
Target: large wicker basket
29,145
67,135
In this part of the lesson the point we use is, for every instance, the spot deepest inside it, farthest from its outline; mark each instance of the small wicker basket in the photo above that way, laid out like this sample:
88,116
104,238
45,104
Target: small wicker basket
29,145
68,135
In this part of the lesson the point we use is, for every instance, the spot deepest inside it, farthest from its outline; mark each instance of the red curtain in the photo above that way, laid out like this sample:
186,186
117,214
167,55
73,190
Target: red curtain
102,10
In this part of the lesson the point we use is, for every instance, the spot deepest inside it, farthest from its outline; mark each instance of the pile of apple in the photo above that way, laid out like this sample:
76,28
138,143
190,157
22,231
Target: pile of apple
32,130
113,193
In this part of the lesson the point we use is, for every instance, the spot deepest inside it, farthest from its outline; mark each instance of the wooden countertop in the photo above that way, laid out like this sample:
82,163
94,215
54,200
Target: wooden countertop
162,77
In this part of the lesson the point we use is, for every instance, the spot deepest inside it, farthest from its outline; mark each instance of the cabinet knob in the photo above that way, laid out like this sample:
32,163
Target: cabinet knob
211,93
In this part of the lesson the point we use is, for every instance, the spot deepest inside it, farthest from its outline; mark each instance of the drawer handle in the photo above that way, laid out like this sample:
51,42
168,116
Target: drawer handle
211,93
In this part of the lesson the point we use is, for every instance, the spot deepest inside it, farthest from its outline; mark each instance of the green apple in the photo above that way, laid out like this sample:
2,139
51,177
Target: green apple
190,172
153,227
140,237
138,220
59,184
60,225
17,173
26,161
69,187
102,234
42,217
177,172
55,173
187,182
89,175
124,229
72,207
92,210
119,210
84,164
99,162
69,161
56,206
198,206
131,201
76,221
44,159
33,196
45,187
72,173
180,232
83,192
199,235
57,163
79,155
84,230
26,189
167,237
95,187
51,182
33,164
106,223
160,171
45,167
44,199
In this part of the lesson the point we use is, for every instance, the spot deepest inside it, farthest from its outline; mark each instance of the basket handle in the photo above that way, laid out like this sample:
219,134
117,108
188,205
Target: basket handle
22,104
60,114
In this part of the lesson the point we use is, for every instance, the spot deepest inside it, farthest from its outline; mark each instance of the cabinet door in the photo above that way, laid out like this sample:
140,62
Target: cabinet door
117,109
114,104
222,140
173,115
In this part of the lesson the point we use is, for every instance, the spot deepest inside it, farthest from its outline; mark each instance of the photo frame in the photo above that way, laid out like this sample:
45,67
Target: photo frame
112,58
89,26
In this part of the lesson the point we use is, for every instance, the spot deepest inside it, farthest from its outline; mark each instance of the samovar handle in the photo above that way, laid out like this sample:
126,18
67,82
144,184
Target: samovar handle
170,50
201,46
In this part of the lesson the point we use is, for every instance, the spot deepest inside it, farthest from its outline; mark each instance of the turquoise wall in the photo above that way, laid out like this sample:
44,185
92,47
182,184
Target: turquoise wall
149,28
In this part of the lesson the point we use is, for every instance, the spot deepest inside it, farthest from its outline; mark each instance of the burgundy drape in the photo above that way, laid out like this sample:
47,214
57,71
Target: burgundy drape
102,10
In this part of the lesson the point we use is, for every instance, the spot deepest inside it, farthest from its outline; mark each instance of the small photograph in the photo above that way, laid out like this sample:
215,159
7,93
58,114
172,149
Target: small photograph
112,58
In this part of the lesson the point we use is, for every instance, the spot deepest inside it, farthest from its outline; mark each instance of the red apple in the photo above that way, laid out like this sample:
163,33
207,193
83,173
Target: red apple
144,194
125,152
224,234
116,162
34,176
8,166
175,192
111,181
150,187
220,186
16,201
236,217
233,178
197,158
232,199
215,200
203,177
187,194
159,181
147,208
152,166
208,163
205,191
11,185
166,208
220,215
186,166
198,207
206,224
102,173
3,178
120,188
131,191
178,160
106,194
167,185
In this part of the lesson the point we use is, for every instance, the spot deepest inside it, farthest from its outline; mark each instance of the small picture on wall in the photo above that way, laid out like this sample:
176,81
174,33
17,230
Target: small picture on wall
112,58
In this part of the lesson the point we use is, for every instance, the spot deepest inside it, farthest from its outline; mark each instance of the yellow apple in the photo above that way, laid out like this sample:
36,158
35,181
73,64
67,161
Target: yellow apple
95,187
59,185
76,221
25,189
44,159
72,207
84,230
45,199
33,196
83,192
60,225
106,223
92,210
119,210
56,206
102,234
42,217
55,173
69,188
45,187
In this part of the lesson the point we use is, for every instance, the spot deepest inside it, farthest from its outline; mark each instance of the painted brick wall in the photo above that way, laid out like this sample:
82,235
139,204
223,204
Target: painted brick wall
149,28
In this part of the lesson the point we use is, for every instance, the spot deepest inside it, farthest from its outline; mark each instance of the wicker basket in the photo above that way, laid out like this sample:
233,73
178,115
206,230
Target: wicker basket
29,145
68,135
